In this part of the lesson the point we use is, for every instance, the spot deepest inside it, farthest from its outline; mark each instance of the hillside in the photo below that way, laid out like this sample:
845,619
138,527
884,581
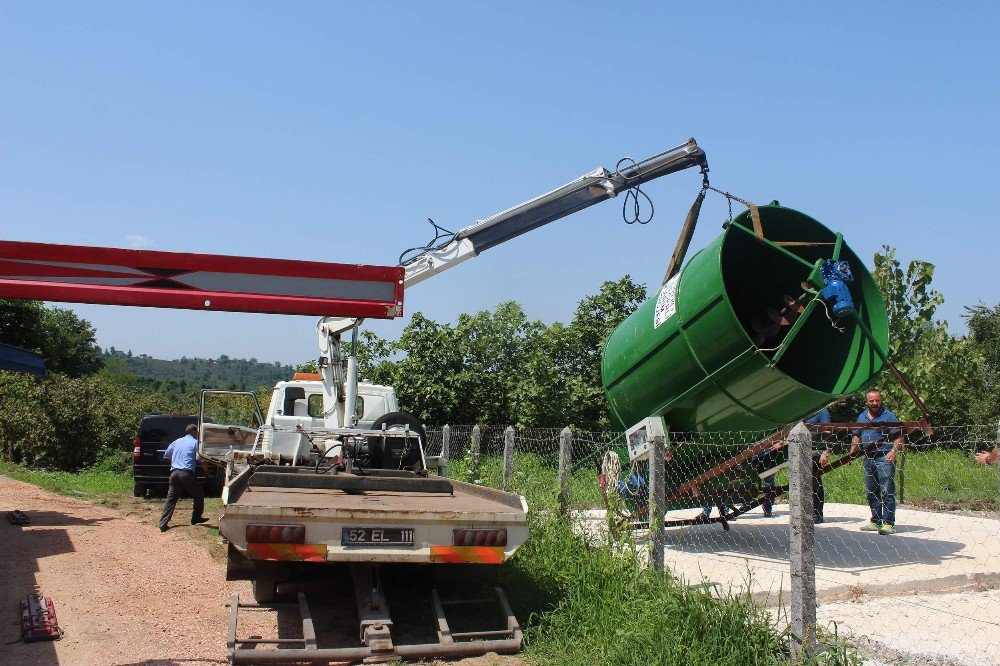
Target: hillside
222,372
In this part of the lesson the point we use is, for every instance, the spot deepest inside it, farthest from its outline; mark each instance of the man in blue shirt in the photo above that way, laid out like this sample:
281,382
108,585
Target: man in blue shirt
819,493
183,456
879,465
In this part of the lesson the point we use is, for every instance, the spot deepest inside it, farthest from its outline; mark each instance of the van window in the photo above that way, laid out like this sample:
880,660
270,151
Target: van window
316,405
164,428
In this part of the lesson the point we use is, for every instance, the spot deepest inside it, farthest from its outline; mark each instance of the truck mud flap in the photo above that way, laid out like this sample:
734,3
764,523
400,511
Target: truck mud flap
349,483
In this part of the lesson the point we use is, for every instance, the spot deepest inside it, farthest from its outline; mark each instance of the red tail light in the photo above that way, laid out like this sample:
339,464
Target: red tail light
275,533
135,451
480,537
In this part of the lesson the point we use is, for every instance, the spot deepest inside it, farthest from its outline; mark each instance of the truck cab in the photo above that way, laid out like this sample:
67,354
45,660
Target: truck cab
297,408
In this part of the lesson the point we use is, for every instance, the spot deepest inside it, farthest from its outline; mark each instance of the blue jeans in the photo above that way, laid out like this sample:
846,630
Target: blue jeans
880,484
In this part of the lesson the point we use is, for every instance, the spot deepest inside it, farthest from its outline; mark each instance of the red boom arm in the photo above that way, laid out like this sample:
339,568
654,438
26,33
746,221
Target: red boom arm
111,276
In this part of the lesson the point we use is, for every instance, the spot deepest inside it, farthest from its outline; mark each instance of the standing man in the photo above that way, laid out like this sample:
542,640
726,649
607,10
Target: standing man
879,465
819,492
183,456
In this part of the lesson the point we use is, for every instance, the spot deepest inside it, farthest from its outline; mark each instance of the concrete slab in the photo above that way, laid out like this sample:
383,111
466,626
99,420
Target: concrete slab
929,551
928,593
961,628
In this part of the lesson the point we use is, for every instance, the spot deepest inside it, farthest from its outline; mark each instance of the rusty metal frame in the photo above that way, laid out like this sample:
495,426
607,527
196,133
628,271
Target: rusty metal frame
450,644
688,489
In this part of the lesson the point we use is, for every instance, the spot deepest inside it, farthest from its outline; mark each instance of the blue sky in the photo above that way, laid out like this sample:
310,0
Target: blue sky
330,131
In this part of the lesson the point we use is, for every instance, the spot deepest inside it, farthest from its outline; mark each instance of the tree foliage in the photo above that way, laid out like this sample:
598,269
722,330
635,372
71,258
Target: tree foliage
65,341
946,371
69,423
984,331
222,373
499,367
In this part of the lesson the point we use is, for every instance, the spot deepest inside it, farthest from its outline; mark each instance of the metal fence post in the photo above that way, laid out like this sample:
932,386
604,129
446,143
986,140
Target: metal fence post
657,500
565,467
801,533
508,456
445,450
476,431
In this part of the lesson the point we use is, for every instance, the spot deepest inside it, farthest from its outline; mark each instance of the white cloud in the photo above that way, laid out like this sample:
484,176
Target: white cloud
137,242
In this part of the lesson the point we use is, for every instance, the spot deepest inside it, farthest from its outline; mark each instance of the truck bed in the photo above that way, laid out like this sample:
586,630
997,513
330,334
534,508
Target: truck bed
312,502
433,516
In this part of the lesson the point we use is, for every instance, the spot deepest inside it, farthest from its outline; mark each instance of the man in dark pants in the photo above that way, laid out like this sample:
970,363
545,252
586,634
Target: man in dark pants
183,456
819,493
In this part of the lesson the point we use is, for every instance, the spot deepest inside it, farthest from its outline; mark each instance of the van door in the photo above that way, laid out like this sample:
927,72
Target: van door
229,421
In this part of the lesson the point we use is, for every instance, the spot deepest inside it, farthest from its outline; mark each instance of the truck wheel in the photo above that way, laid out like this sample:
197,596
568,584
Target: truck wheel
264,590
138,490
397,421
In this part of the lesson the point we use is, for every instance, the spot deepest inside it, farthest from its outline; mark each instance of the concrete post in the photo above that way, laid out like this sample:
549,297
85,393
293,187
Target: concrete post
657,500
445,450
508,456
565,468
476,433
801,532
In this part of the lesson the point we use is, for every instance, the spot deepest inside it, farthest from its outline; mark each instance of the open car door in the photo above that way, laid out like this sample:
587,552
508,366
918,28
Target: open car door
229,425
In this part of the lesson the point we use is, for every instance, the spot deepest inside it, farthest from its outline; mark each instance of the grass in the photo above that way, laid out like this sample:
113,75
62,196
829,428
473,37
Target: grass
595,603
935,476
588,604
93,482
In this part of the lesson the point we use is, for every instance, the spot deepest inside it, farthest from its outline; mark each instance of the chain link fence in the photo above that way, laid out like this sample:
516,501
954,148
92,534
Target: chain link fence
928,593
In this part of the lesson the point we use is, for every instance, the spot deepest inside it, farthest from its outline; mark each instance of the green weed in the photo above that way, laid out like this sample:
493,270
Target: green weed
93,481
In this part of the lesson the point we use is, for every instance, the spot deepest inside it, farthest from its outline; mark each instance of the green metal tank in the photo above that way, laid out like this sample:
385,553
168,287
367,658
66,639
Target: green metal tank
740,339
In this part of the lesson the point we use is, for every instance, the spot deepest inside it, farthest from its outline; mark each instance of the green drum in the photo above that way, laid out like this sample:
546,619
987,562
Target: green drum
741,339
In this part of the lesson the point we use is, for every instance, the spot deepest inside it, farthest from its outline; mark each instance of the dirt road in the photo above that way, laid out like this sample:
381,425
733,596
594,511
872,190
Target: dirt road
124,592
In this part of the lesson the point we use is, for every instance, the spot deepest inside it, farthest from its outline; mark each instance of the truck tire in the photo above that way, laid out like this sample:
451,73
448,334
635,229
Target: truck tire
264,590
138,490
393,421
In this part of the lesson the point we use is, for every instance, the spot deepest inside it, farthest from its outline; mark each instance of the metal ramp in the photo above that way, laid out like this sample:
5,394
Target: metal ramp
375,624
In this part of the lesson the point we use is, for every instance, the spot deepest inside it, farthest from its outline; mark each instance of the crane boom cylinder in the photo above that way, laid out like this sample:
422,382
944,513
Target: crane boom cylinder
587,190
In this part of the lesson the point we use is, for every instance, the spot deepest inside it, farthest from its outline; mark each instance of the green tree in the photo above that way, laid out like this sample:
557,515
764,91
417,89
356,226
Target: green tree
984,330
596,317
66,341
945,370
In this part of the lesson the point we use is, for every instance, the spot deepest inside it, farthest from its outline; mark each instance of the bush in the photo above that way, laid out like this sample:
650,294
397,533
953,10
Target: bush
68,423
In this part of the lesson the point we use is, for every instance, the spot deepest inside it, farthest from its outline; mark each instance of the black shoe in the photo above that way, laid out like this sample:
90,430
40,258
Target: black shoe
743,508
164,528
199,520
768,514
702,517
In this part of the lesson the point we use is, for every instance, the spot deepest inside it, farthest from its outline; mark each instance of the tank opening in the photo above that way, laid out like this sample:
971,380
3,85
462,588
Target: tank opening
764,285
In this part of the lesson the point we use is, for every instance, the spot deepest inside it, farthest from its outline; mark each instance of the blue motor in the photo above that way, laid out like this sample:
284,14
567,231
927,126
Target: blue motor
634,491
836,275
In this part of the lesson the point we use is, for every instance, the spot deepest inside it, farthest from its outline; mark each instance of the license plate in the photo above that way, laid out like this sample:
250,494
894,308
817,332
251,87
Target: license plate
376,536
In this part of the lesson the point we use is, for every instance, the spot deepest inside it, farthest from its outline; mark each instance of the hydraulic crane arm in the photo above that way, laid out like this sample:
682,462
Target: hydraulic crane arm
591,188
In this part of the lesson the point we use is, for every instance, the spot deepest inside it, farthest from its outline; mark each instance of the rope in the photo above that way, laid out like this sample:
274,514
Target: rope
632,195
611,467
758,229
